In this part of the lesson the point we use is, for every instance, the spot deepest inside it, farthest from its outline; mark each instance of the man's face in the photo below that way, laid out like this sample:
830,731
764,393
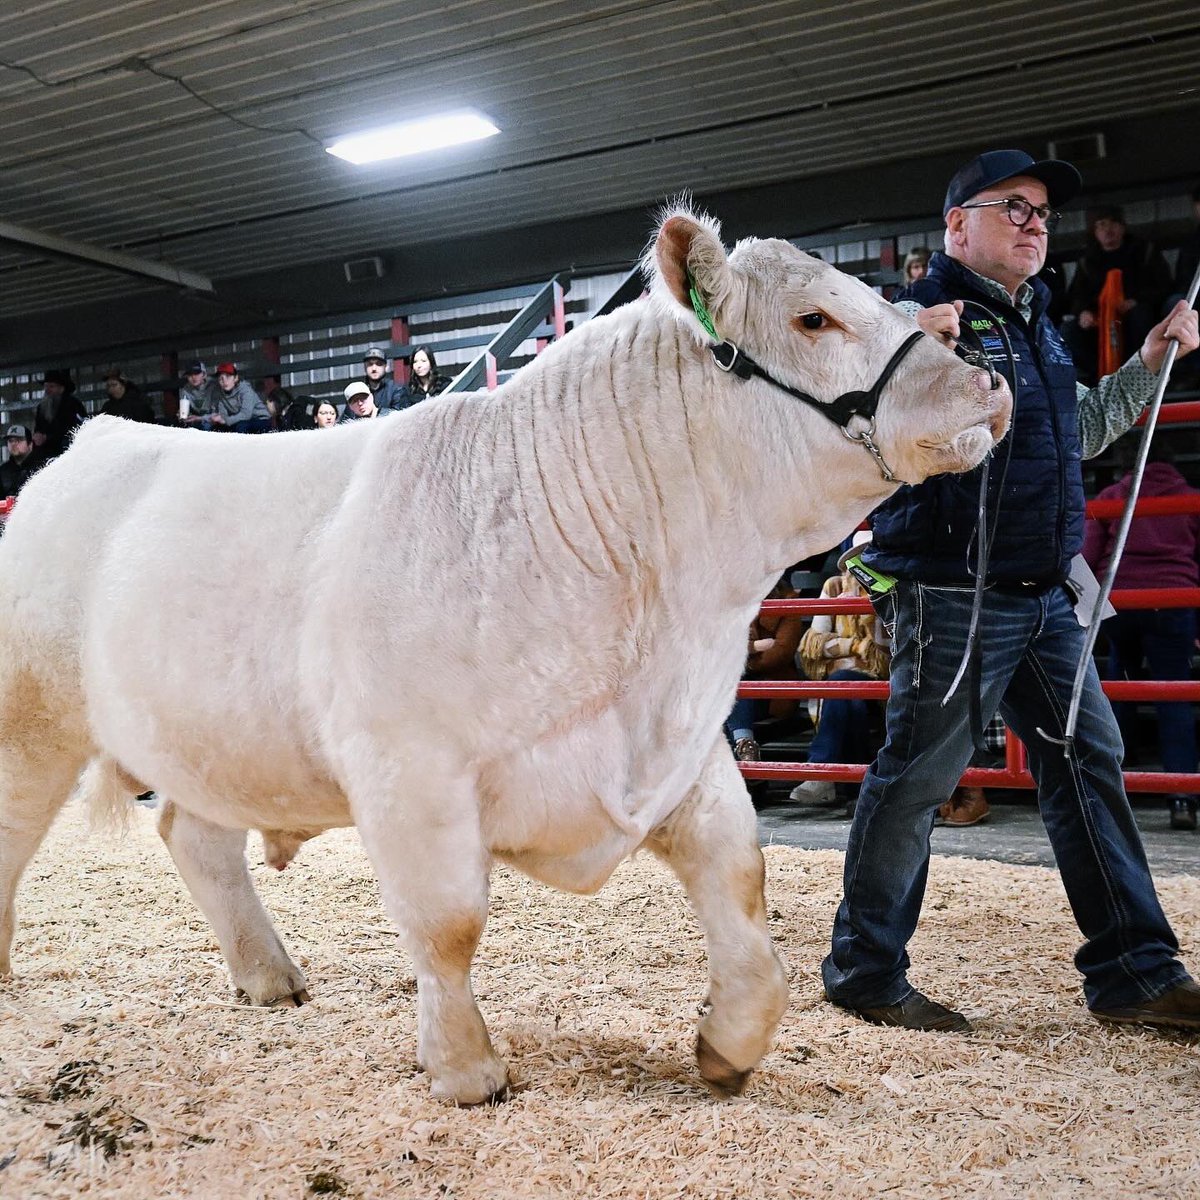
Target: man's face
1109,233
362,404
196,379
985,240
374,368
18,448
54,391
226,382
115,388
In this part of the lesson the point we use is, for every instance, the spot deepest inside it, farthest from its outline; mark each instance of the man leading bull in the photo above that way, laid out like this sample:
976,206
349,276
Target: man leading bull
999,210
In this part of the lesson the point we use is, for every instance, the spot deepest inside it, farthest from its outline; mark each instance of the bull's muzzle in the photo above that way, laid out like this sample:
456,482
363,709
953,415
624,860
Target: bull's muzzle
998,402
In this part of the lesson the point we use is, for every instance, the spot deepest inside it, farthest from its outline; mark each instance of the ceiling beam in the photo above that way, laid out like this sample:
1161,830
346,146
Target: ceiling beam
100,256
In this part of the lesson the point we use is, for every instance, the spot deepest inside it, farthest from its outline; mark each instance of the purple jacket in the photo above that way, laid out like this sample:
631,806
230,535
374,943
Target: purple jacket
1160,551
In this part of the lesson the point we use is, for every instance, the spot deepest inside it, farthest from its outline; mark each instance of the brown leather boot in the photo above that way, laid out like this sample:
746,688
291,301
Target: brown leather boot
967,806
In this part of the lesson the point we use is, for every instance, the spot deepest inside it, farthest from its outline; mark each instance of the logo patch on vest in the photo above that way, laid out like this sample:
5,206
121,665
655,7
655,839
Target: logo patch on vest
992,341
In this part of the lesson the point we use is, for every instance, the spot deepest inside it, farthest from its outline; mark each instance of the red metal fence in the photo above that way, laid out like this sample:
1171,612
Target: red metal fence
1015,773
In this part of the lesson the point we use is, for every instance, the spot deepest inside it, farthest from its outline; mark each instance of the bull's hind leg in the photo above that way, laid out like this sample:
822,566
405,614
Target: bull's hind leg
40,761
432,866
212,861
711,843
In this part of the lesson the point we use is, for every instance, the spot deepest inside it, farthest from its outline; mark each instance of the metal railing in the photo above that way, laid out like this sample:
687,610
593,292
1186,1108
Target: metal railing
1015,773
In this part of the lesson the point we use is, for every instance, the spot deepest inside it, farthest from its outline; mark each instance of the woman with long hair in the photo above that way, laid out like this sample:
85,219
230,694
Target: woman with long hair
423,379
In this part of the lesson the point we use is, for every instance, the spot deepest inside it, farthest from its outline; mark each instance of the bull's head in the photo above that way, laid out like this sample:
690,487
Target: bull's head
815,331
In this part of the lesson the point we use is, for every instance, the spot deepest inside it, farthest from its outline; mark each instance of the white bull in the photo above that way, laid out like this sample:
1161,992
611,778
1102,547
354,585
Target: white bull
502,626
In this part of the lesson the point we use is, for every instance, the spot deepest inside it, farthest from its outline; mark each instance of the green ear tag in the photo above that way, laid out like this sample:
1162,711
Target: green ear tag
701,309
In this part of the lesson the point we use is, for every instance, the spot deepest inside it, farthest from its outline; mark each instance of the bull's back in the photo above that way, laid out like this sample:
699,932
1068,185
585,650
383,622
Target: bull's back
166,568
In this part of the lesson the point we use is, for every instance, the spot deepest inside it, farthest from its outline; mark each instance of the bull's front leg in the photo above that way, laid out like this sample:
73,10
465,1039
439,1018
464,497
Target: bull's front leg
422,834
711,842
212,861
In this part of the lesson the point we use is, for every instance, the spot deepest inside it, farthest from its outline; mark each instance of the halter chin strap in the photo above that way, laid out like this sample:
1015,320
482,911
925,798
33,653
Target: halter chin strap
841,411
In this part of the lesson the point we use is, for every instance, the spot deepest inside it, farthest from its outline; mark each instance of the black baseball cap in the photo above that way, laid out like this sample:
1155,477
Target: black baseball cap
1062,180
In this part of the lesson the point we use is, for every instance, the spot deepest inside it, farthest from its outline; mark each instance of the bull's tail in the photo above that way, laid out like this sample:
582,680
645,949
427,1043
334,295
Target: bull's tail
106,789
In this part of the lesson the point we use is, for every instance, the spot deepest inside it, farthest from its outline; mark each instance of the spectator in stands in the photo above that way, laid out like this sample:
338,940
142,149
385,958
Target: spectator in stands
325,415
278,400
1189,252
1187,376
1118,293
58,415
999,210
771,654
360,403
1159,552
916,263
969,805
844,646
236,404
387,392
125,398
297,412
23,459
424,379
196,396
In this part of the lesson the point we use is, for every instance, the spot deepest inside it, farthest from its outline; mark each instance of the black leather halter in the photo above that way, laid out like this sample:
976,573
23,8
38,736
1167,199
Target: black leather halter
843,409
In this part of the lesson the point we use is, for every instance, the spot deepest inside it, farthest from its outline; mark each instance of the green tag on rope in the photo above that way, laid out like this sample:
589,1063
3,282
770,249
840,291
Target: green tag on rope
701,309
876,582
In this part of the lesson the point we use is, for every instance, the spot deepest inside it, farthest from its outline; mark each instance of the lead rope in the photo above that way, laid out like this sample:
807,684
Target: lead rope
1067,741
972,659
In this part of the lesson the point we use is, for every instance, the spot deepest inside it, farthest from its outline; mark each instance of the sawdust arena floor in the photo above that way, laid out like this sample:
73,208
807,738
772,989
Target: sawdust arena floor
126,1071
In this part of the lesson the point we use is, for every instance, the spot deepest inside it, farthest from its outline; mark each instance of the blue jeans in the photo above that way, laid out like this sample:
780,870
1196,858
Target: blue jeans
1030,646
844,732
1163,638
742,716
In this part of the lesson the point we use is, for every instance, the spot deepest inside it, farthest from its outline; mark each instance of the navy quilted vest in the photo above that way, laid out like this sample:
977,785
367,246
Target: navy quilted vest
927,531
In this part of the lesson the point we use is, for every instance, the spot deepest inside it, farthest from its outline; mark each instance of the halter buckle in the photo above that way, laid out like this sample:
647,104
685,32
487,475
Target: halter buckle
732,353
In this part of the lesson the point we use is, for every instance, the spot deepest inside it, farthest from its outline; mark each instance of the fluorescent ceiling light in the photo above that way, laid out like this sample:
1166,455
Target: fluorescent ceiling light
413,137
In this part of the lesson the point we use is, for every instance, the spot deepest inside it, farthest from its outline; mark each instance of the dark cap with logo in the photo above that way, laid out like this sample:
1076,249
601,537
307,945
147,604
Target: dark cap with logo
374,352
1062,180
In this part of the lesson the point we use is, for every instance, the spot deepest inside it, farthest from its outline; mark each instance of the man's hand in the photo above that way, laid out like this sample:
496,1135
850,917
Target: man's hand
1087,319
941,321
1178,325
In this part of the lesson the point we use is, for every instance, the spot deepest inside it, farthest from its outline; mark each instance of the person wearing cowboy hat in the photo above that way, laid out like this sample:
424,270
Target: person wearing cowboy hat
58,415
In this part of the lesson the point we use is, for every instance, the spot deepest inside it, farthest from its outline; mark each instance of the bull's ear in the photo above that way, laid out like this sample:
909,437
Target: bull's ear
688,252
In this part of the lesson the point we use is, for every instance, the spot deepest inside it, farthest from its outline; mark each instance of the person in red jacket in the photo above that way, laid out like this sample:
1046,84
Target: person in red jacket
1159,552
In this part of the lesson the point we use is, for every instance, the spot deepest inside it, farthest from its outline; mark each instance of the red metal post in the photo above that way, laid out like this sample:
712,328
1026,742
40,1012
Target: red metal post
169,365
400,338
560,312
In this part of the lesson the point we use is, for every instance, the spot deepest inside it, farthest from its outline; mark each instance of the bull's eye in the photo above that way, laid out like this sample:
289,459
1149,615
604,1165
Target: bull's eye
813,320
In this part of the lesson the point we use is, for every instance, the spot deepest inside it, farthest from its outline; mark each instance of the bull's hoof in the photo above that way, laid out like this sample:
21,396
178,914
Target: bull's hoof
288,1000
489,1086
499,1096
718,1072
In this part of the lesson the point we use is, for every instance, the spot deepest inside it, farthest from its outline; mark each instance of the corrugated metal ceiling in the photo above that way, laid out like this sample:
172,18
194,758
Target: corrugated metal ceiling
192,131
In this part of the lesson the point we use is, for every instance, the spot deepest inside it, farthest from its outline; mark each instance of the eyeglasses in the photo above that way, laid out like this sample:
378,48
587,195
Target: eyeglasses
1021,212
